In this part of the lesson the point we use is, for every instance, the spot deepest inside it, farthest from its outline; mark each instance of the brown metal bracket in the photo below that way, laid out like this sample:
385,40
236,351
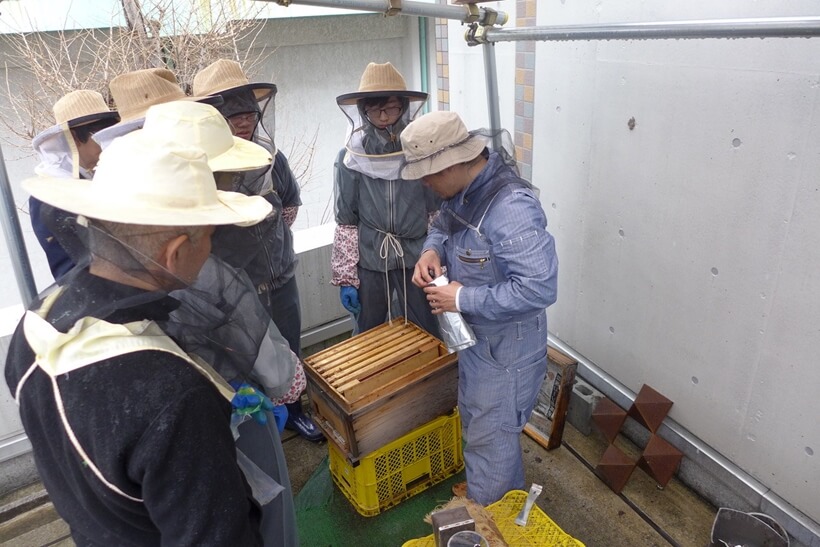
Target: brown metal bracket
650,408
490,17
615,468
660,460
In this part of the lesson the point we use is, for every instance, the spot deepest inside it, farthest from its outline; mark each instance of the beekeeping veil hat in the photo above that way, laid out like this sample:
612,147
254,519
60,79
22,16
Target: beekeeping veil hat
226,79
374,151
55,145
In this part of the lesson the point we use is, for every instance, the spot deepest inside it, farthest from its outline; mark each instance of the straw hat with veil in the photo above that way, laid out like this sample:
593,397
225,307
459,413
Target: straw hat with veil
370,150
265,252
137,91
67,150
249,110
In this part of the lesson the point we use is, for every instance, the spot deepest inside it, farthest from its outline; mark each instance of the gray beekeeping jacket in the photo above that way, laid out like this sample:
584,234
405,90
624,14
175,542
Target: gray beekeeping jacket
380,206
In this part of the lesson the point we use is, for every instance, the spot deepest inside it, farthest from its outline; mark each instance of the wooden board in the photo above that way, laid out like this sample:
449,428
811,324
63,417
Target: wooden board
546,425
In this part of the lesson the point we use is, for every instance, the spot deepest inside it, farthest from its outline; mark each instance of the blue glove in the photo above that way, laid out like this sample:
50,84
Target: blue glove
350,299
280,414
250,401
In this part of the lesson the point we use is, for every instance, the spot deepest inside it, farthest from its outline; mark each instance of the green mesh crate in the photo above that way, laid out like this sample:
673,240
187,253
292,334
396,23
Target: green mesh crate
409,465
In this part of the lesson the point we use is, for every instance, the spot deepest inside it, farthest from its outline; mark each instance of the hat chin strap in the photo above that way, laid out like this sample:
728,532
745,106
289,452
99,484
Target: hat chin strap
75,153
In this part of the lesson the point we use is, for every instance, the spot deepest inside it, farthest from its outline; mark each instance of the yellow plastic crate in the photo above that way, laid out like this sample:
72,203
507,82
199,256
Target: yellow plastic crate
540,530
409,465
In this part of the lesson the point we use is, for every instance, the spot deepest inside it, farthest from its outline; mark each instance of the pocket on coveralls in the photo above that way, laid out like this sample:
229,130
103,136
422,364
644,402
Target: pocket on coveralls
524,357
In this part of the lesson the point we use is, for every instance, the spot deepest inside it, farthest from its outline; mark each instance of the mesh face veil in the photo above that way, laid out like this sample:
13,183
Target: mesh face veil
373,151
243,104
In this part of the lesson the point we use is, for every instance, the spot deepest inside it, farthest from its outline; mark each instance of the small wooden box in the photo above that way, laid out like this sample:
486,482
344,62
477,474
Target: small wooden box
379,385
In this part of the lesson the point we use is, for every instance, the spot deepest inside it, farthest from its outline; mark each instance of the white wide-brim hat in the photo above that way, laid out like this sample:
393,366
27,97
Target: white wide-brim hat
202,125
436,141
156,184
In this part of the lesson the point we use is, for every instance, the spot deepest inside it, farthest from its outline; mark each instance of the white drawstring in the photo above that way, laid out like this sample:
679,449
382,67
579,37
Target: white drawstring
391,241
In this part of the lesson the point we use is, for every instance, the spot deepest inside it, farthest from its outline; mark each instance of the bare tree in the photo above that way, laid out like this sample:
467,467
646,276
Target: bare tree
175,34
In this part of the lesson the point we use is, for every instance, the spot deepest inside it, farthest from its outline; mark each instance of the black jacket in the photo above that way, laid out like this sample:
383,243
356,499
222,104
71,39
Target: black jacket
154,426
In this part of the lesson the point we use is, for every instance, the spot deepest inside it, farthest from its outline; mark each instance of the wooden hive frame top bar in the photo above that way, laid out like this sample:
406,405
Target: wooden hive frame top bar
355,367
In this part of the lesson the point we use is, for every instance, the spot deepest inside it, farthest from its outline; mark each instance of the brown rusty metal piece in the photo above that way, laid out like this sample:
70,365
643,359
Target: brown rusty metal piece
660,460
615,468
650,408
609,418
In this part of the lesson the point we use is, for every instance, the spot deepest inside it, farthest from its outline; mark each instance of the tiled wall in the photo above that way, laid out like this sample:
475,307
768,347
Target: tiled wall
524,88
442,63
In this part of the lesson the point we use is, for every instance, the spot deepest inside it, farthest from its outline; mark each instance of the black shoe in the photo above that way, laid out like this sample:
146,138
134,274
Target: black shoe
304,426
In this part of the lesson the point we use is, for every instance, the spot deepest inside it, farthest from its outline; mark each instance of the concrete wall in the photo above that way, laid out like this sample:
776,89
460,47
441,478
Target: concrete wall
688,244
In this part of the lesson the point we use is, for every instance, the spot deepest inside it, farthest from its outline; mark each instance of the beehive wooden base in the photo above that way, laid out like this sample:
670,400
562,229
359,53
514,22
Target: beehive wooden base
379,385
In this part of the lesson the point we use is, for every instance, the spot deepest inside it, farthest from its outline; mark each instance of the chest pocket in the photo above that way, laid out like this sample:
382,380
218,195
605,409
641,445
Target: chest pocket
473,258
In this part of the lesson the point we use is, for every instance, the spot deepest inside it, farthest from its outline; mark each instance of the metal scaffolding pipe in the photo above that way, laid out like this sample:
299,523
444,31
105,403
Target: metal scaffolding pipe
491,79
770,27
465,13
14,239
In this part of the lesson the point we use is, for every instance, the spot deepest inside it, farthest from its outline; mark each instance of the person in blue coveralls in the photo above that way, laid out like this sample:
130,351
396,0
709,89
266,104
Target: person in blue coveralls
491,235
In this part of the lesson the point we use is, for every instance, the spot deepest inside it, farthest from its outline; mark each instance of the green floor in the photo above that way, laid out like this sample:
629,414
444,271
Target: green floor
327,519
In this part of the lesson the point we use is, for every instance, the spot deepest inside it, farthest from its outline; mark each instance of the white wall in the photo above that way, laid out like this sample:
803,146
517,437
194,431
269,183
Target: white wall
468,87
688,246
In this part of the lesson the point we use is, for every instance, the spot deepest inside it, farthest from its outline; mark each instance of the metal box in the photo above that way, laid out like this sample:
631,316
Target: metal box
448,522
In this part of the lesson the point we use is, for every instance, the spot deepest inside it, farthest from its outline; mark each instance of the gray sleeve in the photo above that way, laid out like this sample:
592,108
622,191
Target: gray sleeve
285,182
346,190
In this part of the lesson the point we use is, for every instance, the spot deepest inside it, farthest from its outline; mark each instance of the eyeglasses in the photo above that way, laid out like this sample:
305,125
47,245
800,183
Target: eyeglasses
248,118
389,111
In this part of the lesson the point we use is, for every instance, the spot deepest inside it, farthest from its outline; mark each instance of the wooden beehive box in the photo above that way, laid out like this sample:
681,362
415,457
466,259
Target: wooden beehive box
379,385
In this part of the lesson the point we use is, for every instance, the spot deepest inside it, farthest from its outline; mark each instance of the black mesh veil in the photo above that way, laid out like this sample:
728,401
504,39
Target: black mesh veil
216,316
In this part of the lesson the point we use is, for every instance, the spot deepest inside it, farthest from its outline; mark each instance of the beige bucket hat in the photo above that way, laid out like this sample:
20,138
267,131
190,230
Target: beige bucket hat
226,76
202,125
135,92
157,184
82,107
381,80
436,141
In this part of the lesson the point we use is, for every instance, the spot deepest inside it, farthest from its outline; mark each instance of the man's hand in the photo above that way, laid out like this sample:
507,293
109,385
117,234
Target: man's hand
442,299
429,261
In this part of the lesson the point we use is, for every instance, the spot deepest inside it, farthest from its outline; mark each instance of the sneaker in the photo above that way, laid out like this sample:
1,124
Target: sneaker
460,489
304,426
